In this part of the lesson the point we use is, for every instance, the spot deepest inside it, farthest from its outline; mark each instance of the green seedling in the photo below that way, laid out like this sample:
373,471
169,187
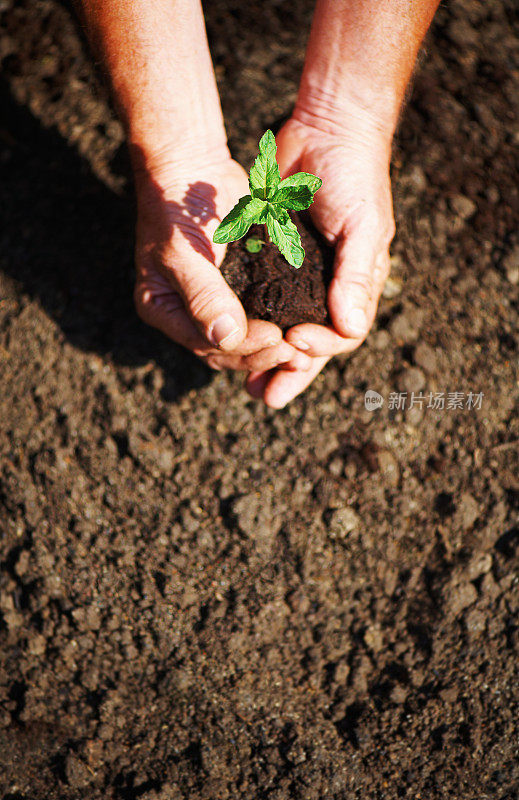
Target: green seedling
254,244
269,202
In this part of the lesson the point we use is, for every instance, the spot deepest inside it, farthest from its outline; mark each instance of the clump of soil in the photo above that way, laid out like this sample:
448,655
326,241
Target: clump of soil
270,288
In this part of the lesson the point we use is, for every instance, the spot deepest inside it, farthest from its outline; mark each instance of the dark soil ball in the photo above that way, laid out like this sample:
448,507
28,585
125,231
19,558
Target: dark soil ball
270,288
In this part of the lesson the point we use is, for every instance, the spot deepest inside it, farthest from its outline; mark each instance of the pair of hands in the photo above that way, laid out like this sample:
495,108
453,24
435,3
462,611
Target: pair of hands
181,291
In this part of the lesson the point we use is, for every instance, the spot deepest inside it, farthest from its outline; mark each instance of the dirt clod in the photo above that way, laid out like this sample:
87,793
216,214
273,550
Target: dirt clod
270,288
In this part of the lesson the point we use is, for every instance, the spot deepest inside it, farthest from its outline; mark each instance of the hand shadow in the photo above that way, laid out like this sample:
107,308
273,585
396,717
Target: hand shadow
198,207
69,240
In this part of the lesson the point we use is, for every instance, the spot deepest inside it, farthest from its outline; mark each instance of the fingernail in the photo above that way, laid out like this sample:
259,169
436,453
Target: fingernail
301,345
357,322
223,330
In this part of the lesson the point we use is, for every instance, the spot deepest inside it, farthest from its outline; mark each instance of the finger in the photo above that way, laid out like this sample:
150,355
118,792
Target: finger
163,308
381,270
280,355
352,286
260,334
261,337
320,340
299,362
278,387
256,382
208,298
165,311
260,361
270,357
380,276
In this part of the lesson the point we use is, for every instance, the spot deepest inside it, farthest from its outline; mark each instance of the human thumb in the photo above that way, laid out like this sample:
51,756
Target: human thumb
210,301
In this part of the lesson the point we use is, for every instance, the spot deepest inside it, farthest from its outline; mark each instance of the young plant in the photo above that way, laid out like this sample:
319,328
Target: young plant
269,202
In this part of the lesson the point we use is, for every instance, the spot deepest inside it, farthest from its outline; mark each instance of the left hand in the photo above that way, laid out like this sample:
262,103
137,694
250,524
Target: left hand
353,210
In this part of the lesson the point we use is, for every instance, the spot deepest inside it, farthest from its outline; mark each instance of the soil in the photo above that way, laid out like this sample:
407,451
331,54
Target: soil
200,597
270,288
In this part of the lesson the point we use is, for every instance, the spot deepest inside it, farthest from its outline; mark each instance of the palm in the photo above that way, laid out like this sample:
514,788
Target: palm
355,176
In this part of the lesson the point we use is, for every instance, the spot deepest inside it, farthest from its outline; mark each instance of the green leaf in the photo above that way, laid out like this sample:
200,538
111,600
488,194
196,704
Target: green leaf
302,179
258,208
296,198
264,175
247,211
254,244
285,235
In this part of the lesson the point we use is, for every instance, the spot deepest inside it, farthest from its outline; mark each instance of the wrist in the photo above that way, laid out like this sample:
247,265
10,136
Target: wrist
359,59
175,160
341,113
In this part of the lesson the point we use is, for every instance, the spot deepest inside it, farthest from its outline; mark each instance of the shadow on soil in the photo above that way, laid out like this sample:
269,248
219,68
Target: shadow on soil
69,240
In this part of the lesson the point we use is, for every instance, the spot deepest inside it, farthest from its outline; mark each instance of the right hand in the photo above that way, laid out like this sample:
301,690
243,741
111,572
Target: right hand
179,287
353,211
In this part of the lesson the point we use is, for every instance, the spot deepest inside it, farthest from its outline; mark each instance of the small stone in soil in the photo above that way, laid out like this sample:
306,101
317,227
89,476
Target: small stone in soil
392,288
342,521
411,380
425,357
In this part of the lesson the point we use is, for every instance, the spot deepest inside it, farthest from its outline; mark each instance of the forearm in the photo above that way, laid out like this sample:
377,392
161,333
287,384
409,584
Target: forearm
158,60
361,55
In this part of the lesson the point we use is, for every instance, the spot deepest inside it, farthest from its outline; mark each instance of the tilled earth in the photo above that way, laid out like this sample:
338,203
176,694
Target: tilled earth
204,598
